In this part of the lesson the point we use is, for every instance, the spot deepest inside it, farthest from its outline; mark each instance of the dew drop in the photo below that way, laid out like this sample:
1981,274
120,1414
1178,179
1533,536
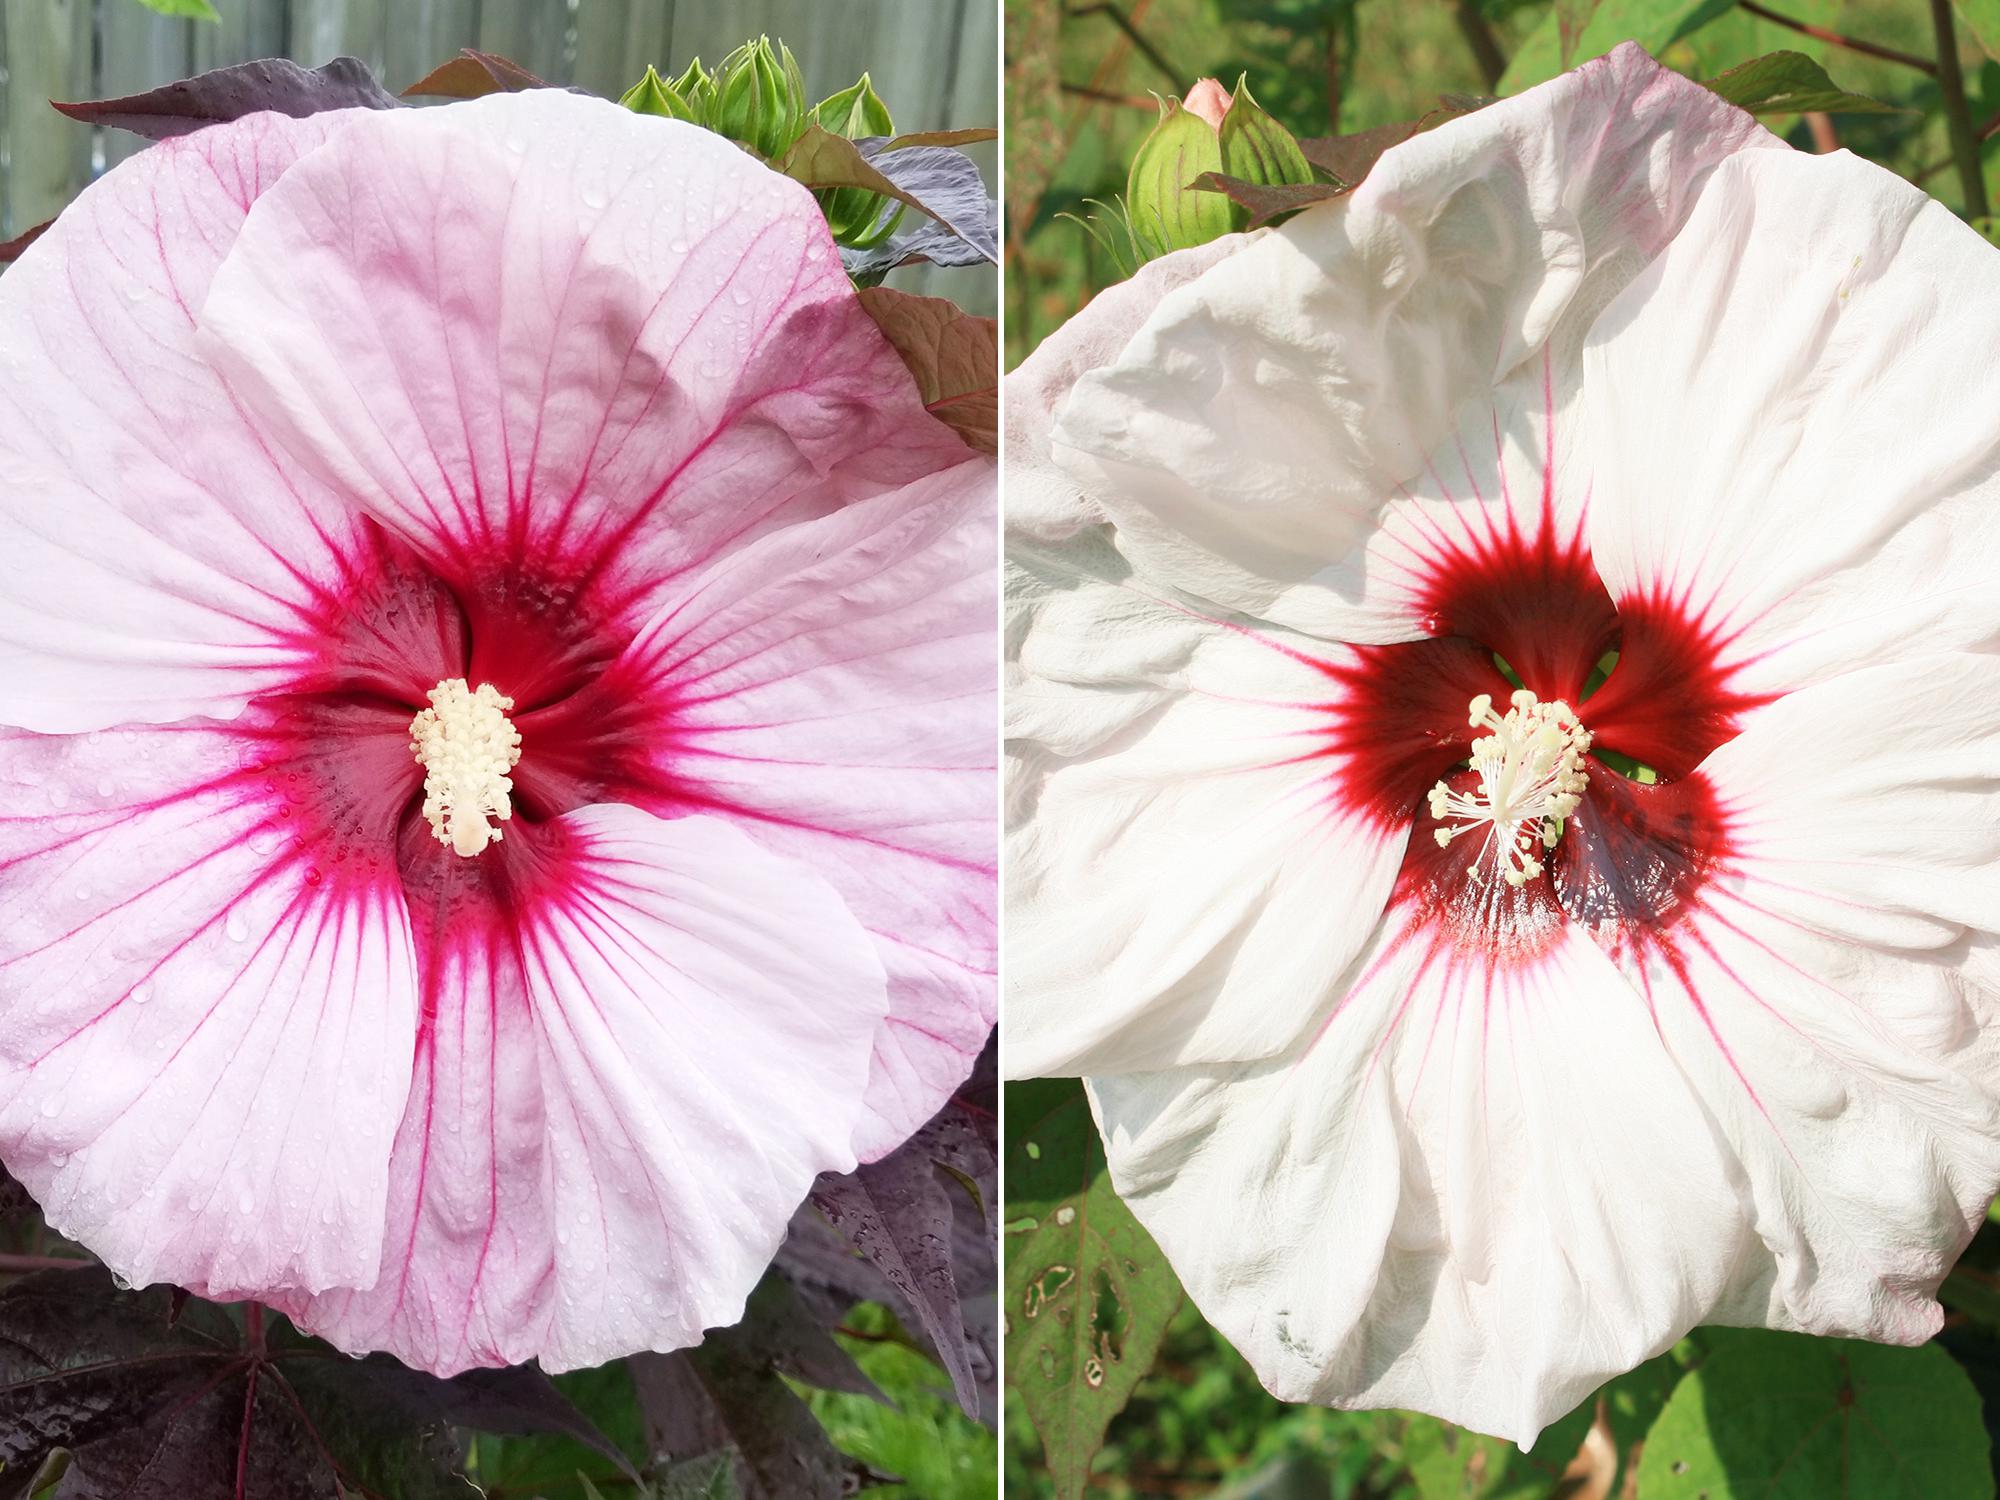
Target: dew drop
246,1202
237,929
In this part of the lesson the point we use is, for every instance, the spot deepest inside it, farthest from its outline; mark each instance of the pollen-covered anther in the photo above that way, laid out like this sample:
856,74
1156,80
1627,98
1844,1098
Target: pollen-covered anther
466,745
1531,778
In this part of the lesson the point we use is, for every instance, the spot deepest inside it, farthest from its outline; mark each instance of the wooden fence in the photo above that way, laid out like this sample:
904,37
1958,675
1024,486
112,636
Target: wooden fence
936,63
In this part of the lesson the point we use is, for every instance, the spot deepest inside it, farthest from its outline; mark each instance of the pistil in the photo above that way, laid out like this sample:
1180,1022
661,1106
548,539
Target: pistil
1531,778
466,744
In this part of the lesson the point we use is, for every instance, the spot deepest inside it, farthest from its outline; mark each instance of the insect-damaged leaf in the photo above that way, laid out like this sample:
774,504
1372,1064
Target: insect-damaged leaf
1088,1294
955,360
935,180
147,1402
1780,1416
272,83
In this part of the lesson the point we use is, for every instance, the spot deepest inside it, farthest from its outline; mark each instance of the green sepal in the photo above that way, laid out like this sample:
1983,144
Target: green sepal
760,98
1165,213
653,95
1256,148
858,218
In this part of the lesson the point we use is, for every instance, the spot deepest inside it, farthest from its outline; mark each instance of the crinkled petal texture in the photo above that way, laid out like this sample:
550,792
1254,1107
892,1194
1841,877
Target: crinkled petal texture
306,417
1430,1144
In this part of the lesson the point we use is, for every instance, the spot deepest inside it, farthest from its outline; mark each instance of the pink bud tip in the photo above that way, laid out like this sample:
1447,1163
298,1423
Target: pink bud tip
1209,99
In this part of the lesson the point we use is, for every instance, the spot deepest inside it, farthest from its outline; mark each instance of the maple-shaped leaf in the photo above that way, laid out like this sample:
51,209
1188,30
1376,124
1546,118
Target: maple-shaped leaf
152,1394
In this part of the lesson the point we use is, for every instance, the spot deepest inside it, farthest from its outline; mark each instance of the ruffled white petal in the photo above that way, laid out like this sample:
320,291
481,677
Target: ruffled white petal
1254,423
1788,420
1473,1195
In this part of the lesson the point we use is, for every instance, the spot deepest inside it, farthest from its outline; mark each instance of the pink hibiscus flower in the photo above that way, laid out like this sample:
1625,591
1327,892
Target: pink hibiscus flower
496,658
1468,1023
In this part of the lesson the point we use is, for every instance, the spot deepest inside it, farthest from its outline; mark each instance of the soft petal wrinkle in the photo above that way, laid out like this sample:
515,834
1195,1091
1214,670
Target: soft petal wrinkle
1409,1210
210,1006
162,559
1766,411
1264,411
553,1196
829,689
542,333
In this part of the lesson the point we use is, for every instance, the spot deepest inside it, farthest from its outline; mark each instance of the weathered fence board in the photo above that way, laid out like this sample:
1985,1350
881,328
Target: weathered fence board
934,61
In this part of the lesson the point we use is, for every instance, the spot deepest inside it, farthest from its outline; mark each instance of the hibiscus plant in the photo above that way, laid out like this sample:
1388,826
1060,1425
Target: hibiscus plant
496,732
1503,781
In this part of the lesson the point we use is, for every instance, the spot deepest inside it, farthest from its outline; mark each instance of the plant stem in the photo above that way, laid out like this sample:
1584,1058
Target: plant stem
1836,39
1479,37
1824,137
22,1265
1957,118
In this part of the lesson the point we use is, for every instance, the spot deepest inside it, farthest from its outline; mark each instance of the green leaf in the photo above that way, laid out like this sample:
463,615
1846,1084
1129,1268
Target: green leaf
193,10
1787,83
1088,1293
1983,17
1452,1463
1556,44
1779,1416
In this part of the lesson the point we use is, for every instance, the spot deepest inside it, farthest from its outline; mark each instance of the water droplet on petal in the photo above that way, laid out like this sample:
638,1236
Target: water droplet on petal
237,929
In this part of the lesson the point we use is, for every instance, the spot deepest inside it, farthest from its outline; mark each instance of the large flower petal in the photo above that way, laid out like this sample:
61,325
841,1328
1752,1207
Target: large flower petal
1254,424
1818,997
642,1041
161,560
1410,1210
1763,406
559,345
830,689
210,993
1192,892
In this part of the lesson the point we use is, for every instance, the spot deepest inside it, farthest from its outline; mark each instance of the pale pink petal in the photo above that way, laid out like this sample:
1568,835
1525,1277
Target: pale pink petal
1820,1000
623,1090
1410,1210
541,335
160,559
830,689
1252,426
209,994
1768,407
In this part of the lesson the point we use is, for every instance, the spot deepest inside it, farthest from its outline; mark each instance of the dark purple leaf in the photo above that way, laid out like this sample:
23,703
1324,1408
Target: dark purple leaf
726,1395
10,250
929,242
14,1200
472,75
1266,201
825,1269
271,83
157,1394
898,1214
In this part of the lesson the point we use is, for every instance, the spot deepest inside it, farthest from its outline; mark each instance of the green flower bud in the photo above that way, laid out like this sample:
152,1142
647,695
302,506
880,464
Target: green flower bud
1166,213
653,95
856,216
1212,132
760,99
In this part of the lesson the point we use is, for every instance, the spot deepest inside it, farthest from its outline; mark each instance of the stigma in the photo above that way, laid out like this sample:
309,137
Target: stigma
1531,778
466,744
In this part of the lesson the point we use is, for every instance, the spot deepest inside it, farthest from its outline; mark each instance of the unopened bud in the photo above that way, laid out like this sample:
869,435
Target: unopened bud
1212,131
857,217
760,99
653,95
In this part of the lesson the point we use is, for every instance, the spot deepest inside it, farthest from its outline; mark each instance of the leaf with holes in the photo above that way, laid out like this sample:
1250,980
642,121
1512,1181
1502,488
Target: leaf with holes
1088,1294
955,360
1779,1416
1786,83
271,83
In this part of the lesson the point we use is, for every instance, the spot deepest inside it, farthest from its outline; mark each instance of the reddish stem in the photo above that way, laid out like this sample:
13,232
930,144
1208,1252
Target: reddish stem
1836,39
